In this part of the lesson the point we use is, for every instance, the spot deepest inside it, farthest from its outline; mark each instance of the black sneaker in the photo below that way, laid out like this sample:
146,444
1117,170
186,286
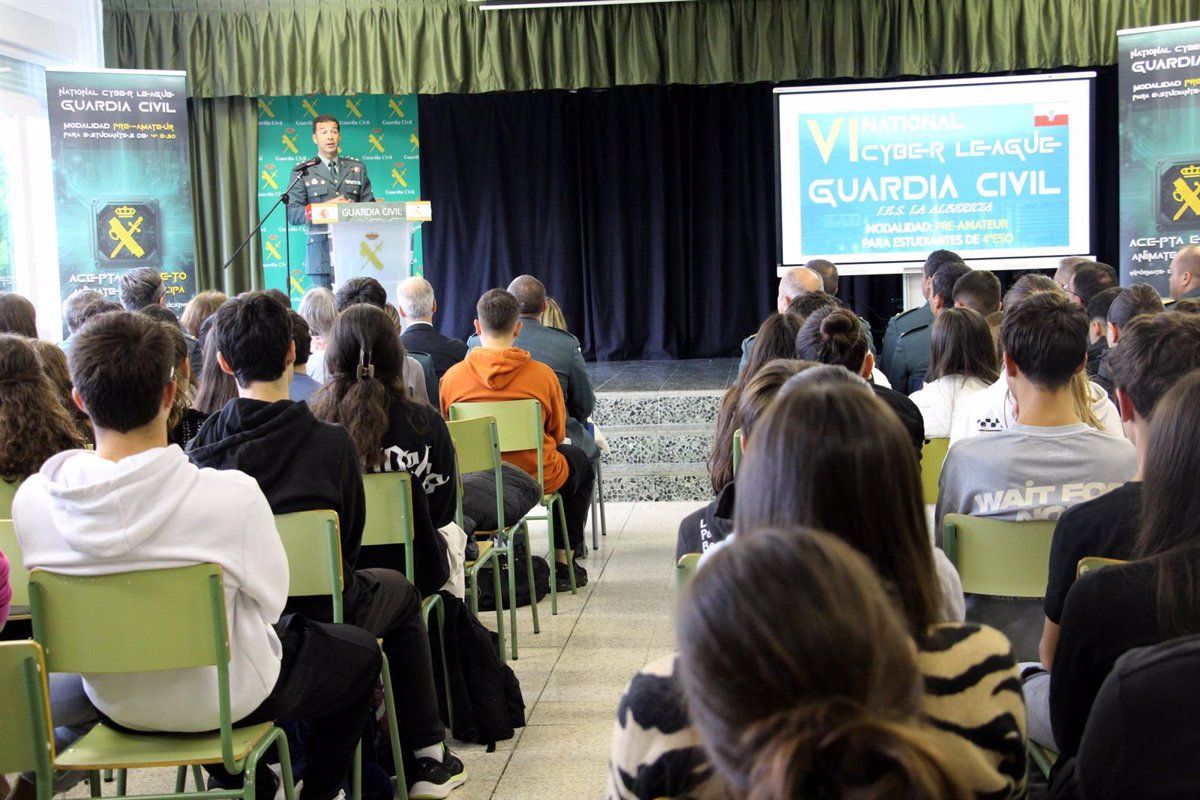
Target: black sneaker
434,780
563,580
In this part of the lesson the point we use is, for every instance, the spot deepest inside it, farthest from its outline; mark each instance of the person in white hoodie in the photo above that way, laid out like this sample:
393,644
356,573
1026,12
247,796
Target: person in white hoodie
136,503
962,361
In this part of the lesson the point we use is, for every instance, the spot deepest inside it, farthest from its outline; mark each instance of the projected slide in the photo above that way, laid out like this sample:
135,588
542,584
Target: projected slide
991,168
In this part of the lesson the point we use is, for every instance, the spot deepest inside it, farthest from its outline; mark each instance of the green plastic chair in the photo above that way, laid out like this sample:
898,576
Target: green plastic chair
519,425
685,569
389,521
312,541
148,621
26,737
1086,564
477,449
7,492
994,557
18,578
933,455
738,450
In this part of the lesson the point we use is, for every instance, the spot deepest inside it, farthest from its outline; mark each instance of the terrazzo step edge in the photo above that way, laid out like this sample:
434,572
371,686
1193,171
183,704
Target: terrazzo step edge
668,443
656,408
652,482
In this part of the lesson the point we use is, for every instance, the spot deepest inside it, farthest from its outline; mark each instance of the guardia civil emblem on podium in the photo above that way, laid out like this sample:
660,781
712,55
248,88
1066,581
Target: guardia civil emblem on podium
127,233
1178,194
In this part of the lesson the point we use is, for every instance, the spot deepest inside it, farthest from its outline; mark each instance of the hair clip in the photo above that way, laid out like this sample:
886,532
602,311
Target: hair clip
365,369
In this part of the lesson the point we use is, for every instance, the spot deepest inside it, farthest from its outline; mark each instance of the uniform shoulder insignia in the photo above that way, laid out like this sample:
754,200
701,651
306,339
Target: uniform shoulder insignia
915,330
903,314
561,332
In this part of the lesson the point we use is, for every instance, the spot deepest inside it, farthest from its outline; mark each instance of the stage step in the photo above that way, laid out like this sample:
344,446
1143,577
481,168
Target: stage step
659,443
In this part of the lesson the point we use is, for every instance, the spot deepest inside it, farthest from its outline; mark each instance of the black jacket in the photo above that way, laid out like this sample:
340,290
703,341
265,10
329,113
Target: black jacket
907,411
702,529
445,351
301,464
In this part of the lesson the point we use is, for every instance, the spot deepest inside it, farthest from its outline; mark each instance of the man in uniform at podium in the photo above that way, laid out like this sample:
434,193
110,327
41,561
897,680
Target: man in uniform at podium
333,178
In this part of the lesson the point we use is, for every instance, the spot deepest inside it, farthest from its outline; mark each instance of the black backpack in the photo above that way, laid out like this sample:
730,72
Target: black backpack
541,579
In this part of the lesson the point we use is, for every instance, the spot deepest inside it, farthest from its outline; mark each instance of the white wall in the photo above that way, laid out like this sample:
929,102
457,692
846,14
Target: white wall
48,33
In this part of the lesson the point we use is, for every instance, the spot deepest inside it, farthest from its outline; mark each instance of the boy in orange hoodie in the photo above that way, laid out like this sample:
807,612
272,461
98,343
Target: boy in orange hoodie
497,370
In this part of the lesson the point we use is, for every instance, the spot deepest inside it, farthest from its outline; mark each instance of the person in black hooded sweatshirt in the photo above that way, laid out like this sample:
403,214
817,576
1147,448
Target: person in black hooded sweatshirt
303,464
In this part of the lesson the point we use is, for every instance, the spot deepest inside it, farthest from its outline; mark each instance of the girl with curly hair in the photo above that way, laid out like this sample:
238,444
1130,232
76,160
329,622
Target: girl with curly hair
34,425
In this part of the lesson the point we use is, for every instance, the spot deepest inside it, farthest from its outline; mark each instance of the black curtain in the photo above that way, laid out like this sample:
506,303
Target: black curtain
648,212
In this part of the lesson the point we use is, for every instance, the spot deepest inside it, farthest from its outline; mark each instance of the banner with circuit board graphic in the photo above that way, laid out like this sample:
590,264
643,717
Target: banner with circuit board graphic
122,180
381,130
1158,73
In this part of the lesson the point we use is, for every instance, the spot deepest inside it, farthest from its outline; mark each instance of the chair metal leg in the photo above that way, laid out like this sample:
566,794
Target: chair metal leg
285,765
181,780
198,775
389,706
600,499
562,520
510,563
553,563
537,628
434,603
595,523
499,605
94,783
120,783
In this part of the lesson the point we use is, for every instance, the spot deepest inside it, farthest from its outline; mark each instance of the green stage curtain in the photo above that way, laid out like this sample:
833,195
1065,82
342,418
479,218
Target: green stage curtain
225,191
273,47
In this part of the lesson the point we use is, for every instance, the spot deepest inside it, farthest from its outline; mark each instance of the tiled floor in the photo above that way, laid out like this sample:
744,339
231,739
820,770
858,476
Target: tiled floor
572,673
657,376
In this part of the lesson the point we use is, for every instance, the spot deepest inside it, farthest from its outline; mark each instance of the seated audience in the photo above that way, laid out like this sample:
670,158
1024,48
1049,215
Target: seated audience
499,370
54,364
1132,301
76,301
303,464
417,307
842,438
34,425
1090,279
17,315
825,701
559,351
141,287
1184,278
978,290
371,292
1156,597
914,317
703,528
910,360
391,433
994,408
1097,311
200,308
302,386
792,284
215,387
1066,269
1045,346
553,316
135,504
319,309
184,421
833,336
776,339
1155,353
962,361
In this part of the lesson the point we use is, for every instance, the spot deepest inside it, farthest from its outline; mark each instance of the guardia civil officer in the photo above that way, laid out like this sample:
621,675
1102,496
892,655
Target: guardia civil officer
335,178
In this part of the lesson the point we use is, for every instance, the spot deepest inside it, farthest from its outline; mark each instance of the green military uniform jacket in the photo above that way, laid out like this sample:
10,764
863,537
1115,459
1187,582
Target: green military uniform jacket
318,186
902,323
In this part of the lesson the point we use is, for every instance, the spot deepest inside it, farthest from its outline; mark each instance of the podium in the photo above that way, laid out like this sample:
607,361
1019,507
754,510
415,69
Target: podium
371,239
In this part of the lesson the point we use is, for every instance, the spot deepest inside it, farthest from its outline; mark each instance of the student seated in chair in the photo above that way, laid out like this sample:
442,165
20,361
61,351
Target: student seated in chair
136,503
303,464
499,370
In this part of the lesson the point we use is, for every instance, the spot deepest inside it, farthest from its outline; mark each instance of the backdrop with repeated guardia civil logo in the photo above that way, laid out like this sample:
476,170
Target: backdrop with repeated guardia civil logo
380,130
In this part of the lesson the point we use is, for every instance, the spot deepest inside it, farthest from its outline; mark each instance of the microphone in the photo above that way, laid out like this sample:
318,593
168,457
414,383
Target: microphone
312,162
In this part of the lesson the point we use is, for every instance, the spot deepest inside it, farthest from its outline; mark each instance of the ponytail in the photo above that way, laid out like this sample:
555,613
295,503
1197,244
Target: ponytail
835,749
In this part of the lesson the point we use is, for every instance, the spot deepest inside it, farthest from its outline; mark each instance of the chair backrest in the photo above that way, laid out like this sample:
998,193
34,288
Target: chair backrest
686,568
933,455
18,578
477,449
431,380
737,450
390,513
1093,563
26,738
7,492
313,545
518,424
994,557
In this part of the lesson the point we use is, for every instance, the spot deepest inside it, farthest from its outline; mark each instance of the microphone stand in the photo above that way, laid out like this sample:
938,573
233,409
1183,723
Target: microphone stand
263,221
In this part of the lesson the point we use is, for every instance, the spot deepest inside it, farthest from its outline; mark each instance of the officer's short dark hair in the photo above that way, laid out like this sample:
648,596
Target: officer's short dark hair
326,118
360,290
141,287
828,272
937,258
120,363
497,311
979,290
1154,353
253,334
303,339
76,301
1046,336
945,279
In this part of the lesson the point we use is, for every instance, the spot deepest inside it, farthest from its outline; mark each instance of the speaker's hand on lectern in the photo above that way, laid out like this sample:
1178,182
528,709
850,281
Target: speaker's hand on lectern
338,199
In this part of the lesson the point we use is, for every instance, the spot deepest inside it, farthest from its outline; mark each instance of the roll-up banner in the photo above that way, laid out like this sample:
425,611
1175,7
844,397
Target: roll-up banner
122,180
1159,106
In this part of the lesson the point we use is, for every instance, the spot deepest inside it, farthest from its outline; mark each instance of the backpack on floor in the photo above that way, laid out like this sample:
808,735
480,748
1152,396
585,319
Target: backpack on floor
541,579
